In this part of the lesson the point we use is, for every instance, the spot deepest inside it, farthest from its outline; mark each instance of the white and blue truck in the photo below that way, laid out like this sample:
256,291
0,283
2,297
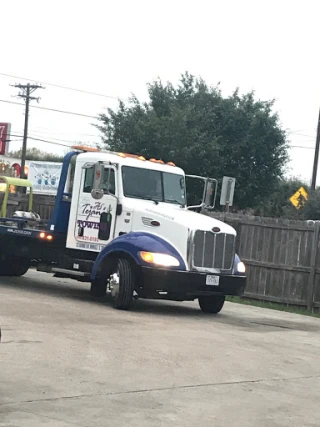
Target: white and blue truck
121,223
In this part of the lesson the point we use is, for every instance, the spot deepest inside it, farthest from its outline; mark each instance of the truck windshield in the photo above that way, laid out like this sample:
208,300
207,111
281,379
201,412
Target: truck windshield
153,185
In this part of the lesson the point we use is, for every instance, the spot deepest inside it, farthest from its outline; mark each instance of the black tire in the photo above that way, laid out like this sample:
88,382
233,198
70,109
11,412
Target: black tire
98,288
14,267
122,300
21,270
212,304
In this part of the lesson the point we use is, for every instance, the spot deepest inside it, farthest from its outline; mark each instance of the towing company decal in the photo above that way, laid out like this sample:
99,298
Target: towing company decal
94,221
89,210
88,224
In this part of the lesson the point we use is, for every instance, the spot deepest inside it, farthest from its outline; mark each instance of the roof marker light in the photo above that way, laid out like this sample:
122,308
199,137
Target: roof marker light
84,148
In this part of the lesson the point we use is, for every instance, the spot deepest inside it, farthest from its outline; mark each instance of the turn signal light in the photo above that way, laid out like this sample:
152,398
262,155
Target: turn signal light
43,235
163,260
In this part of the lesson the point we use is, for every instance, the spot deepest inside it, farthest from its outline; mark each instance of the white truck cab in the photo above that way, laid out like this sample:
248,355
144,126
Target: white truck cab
133,213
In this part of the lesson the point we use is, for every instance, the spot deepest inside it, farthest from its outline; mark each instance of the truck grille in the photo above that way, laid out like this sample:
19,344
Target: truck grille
213,250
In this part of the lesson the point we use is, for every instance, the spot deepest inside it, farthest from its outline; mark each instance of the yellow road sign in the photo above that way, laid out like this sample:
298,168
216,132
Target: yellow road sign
299,198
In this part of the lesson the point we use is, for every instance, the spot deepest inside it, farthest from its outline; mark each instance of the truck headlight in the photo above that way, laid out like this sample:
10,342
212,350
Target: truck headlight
241,268
163,260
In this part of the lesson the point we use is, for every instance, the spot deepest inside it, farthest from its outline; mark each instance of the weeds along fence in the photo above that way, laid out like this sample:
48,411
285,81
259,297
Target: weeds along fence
282,258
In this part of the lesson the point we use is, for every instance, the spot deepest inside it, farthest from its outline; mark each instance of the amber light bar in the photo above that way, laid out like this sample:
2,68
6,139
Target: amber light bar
135,156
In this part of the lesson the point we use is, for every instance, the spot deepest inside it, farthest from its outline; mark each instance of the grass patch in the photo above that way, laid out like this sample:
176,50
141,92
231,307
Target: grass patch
274,306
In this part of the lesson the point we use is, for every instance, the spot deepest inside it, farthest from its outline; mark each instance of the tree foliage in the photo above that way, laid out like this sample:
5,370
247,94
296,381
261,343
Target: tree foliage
204,133
36,154
278,205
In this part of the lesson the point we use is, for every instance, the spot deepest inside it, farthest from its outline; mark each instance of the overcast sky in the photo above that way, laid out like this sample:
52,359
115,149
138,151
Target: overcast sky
115,47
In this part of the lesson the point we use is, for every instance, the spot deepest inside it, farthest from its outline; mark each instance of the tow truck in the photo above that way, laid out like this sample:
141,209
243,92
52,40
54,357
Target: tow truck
121,223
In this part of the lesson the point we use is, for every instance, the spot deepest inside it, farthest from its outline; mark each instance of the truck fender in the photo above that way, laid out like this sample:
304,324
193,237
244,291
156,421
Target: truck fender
131,244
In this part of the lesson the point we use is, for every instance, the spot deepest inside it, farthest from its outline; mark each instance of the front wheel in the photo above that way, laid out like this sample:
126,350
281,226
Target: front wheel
122,283
212,304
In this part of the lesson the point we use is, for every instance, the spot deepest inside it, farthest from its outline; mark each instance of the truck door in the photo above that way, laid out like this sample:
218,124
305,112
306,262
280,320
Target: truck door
96,213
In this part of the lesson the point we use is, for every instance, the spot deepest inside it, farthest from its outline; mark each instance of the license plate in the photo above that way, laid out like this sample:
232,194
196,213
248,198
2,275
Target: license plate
212,280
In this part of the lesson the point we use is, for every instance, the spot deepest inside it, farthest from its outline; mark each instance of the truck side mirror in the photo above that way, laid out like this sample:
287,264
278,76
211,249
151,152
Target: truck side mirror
203,192
210,193
96,192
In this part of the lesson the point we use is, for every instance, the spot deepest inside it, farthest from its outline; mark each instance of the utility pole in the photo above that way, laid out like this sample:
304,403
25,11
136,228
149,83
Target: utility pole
26,91
316,158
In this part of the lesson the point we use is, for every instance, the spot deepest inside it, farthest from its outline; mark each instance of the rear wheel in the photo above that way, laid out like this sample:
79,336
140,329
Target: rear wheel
14,266
21,268
212,304
122,283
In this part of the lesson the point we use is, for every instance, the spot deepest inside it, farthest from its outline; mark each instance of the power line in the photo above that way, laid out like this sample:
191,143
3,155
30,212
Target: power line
302,134
64,112
51,142
301,146
50,109
14,140
48,131
63,140
45,140
66,87
300,130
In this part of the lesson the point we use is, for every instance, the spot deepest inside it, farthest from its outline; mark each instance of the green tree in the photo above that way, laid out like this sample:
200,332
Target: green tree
36,154
204,133
311,210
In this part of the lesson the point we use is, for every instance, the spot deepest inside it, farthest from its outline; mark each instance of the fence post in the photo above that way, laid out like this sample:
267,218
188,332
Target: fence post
313,264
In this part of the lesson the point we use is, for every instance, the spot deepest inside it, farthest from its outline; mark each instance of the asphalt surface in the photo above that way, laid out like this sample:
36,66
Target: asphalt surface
66,360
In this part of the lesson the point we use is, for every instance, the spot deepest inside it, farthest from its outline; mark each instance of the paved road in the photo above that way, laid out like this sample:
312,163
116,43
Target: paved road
66,360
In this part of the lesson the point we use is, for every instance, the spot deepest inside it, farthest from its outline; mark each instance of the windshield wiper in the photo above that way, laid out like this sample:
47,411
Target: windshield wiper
143,198
155,201
178,202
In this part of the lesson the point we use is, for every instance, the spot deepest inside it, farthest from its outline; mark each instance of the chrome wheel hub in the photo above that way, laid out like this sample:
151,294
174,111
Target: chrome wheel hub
114,284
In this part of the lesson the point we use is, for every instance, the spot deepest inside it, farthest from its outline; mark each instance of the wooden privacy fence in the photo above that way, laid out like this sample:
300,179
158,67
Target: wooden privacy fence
282,258
42,204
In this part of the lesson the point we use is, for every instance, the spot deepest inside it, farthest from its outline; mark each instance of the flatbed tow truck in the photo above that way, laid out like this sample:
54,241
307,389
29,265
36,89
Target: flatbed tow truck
121,223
